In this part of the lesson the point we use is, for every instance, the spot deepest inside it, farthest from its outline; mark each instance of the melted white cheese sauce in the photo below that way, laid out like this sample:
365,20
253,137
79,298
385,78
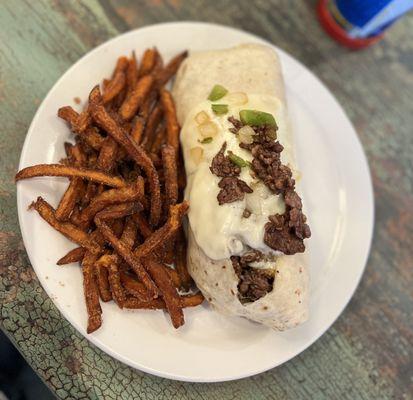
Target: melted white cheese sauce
222,231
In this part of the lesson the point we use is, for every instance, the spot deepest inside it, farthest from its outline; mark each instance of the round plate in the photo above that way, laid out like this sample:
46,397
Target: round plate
210,347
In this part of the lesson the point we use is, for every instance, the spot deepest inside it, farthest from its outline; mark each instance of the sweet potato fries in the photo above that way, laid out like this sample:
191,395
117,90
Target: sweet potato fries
123,206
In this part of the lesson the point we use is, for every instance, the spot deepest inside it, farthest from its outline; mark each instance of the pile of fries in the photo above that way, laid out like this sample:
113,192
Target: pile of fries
123,206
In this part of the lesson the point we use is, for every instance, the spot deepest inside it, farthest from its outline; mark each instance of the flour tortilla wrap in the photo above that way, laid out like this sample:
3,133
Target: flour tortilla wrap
256,71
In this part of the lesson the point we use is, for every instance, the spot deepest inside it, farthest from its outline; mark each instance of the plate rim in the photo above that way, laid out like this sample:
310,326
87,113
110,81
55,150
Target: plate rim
91,339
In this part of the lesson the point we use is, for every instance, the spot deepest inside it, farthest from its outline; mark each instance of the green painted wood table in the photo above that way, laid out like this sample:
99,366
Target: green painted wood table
368,353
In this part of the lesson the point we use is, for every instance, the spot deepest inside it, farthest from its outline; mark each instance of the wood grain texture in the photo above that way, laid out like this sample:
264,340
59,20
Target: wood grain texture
368,353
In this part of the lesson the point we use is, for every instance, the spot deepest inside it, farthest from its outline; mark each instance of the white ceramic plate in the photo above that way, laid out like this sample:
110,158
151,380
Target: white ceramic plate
210,347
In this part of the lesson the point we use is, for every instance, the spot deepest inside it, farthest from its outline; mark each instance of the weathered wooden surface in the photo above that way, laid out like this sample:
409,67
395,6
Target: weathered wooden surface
368,353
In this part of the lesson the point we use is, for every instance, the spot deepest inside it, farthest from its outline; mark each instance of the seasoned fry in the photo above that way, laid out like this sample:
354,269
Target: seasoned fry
102,276
78,122
174,276
107,155
170,69
91,293
152,124
192,300
169,293
135,98
92,138
128,256
153,242
159,140
189,300
68,114
119,211
180,261
80,125
148,61
148,104
172,126
115,284
132,72
143,225
70,172
170,170
69,199
137,154
77,156
75,255
129,233
75,216
137,129
134,287
69,230
114,87
90,193
121,65
113,196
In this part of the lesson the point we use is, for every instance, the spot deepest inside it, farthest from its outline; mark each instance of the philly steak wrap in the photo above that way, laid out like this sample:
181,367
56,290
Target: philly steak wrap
246,228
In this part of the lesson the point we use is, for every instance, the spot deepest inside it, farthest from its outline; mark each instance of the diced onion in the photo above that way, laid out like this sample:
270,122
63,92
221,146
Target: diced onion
208,129
196,154
202,117
237,98
245,134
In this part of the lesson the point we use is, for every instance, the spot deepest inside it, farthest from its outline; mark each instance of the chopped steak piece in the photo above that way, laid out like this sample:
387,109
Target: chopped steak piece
283,239
251,256
253,283
236,123
232,189
292,199
298,223
222,166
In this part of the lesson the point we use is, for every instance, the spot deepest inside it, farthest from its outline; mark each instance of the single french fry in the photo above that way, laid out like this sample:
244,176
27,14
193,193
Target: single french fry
172,126
75,255
169,293
148,104
137,129
142,225
69,199
70,172
135,98
159,140
102,276
119,211
192,300
148,62
174,276
69,230
77,156
180,261
107,155
152,124
132,72
114,87
170,69
170,169
129,233
91,292
188,300
118,292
